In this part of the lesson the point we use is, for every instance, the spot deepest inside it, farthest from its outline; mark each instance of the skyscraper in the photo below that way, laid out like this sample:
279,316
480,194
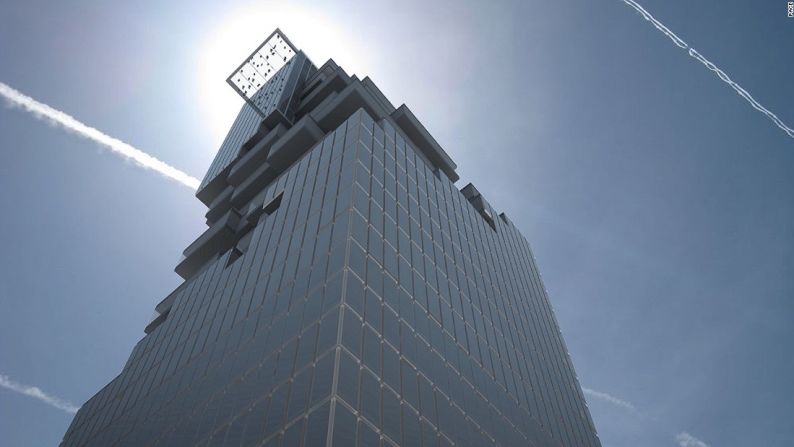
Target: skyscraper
345,293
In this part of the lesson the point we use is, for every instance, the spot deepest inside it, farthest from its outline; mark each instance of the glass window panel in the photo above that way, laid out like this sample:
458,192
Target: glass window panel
314,307
275,417
332,293
390,262
323,378
375,246
360,229
293,435
351,333
299,395
374,276
273,442
344,426
366,436
407,342
444,442
373,310
360,200
328,330
371,352
254,422
410,387
286,359
391,328
357,260
410,429
427,400
391,367
347,386
354,294
391,414
429,435
306,345
370,398
317,427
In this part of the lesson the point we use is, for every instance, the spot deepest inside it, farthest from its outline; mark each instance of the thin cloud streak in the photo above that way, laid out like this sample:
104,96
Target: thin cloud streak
657,24
708,64
611,399
37,393
742,92
684,439
66,121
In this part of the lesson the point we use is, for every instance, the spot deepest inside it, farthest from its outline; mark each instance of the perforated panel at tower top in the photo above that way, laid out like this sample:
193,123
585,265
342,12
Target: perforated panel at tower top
258,68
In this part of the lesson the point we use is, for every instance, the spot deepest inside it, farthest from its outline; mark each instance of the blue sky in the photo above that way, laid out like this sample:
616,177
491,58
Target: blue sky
657,201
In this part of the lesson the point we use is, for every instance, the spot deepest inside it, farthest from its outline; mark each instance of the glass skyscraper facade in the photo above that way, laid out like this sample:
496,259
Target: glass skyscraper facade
345,293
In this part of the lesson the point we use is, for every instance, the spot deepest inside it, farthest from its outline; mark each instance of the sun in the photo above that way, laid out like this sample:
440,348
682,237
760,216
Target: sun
241,31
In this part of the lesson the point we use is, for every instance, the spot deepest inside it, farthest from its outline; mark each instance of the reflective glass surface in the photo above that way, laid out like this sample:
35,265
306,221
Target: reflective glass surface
373,305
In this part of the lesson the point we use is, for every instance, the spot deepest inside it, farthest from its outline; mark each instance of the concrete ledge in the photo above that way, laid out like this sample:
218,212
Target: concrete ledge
274,119
334,83
219,206
303,135
214,240
294,143
479,203
425,142
222,197
168,301
260,133
156,322
330,115
377,94
254,158
214,187
324,71
218,183
255,182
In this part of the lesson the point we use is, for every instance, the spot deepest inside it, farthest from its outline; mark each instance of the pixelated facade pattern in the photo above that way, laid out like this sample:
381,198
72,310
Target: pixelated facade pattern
345,293
275,95
263,64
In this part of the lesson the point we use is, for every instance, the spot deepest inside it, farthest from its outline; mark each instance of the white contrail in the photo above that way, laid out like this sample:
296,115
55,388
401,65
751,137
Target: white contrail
721,74
37,393
647,16
611,399
684,439
45,112
742,92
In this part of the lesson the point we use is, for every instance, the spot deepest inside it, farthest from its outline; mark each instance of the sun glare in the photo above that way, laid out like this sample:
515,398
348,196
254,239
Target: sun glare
241,31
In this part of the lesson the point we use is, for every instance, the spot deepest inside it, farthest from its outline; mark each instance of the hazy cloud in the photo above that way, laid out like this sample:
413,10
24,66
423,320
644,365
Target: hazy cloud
721,74
611,399
37,393
65,121
684,439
